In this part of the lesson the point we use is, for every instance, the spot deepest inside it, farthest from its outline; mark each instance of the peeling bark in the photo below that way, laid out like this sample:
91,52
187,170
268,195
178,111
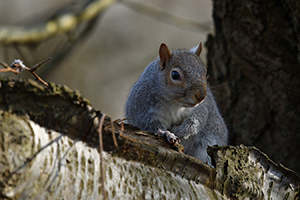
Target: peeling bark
245,172
49,149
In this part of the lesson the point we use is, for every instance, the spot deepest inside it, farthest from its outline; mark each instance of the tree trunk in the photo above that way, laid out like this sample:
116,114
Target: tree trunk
256,52
49,143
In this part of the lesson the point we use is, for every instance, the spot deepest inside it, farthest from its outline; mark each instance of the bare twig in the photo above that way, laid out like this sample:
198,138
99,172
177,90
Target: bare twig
113,133
35,67
122,128
18,66
101,156
4,65
9,70
38,78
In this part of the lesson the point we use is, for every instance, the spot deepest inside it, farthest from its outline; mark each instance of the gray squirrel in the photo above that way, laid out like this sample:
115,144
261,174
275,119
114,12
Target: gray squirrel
173,99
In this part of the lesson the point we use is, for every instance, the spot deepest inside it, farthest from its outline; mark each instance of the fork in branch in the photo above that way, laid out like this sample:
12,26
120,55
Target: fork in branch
17,67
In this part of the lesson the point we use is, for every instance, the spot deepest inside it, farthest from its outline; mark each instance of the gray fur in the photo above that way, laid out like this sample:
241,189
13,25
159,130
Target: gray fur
152,105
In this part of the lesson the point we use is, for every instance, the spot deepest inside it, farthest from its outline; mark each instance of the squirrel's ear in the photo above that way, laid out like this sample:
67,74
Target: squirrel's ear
199,49
164,55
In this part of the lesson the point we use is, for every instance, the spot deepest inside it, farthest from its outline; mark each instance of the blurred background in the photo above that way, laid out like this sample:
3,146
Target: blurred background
101,57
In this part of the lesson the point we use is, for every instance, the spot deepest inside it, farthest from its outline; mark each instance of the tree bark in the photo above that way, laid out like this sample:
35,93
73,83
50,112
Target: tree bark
256,52
49,150
49,143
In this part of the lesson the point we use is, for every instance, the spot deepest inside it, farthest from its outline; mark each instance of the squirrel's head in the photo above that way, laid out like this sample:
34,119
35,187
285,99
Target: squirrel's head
183,75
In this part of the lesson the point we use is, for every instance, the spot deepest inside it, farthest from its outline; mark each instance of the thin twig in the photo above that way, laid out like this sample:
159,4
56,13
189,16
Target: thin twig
113,133
122,128
101,156
4,64
35,67
17,67
9,70
38,78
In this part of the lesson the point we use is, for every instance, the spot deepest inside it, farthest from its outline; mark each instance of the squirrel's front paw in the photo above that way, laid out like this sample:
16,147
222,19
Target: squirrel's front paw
171,138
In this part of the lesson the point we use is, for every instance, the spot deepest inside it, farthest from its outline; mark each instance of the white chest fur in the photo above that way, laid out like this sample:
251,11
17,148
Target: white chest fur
173,115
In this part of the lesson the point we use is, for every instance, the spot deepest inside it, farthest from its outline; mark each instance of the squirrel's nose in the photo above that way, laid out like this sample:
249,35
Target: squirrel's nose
199,96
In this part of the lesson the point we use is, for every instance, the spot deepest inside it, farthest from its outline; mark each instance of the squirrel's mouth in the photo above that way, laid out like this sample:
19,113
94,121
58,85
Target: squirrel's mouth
192,104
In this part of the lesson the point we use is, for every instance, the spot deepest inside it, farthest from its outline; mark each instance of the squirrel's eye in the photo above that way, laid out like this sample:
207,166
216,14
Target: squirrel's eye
175,75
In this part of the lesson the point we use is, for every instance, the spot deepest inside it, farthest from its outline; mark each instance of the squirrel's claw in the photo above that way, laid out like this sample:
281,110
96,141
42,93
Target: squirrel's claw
171,137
